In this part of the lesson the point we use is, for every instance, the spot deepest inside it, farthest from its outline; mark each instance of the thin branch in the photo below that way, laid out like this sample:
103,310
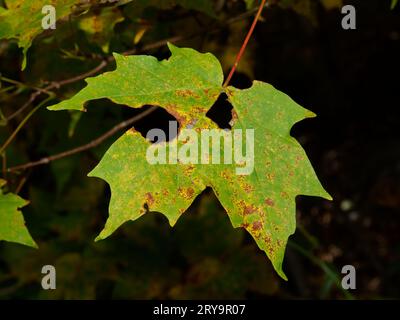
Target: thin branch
90,145
58,84
30,114
245,42
20,185
32,98
21,84
104,63
55,85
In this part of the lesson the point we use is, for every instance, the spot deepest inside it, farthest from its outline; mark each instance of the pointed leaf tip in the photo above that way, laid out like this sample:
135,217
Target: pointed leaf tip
12,226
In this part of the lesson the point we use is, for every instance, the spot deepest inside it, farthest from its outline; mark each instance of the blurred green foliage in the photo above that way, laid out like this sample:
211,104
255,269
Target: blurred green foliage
298,47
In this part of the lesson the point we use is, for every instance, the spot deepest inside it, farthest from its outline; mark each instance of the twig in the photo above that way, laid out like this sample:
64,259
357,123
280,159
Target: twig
32,98
90,145
245,42
20,185
104,63
20,84
56,85
30,114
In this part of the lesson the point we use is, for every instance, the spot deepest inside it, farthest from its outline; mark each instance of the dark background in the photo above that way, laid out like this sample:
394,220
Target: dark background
349,78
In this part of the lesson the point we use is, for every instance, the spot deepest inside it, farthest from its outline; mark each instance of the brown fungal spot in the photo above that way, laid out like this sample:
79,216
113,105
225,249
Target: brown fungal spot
212,94
189,192
270,176
269,202
173,109
257,225
249,210
197,109
187,93
248,187
149,198
228,177
267,240
188,169
186,193
284,194
244,225
298,159
234,115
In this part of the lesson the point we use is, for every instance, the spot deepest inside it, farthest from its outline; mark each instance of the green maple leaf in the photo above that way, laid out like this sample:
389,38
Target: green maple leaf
12,226
187,85
100,26
23,20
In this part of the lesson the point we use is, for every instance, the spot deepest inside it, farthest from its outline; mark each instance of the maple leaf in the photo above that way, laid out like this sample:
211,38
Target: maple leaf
12,226
100,26
23,20
187,85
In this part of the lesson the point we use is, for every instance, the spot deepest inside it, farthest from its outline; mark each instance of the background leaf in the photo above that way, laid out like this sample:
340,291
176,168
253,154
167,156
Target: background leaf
12,226
30,12
99,26
354,150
